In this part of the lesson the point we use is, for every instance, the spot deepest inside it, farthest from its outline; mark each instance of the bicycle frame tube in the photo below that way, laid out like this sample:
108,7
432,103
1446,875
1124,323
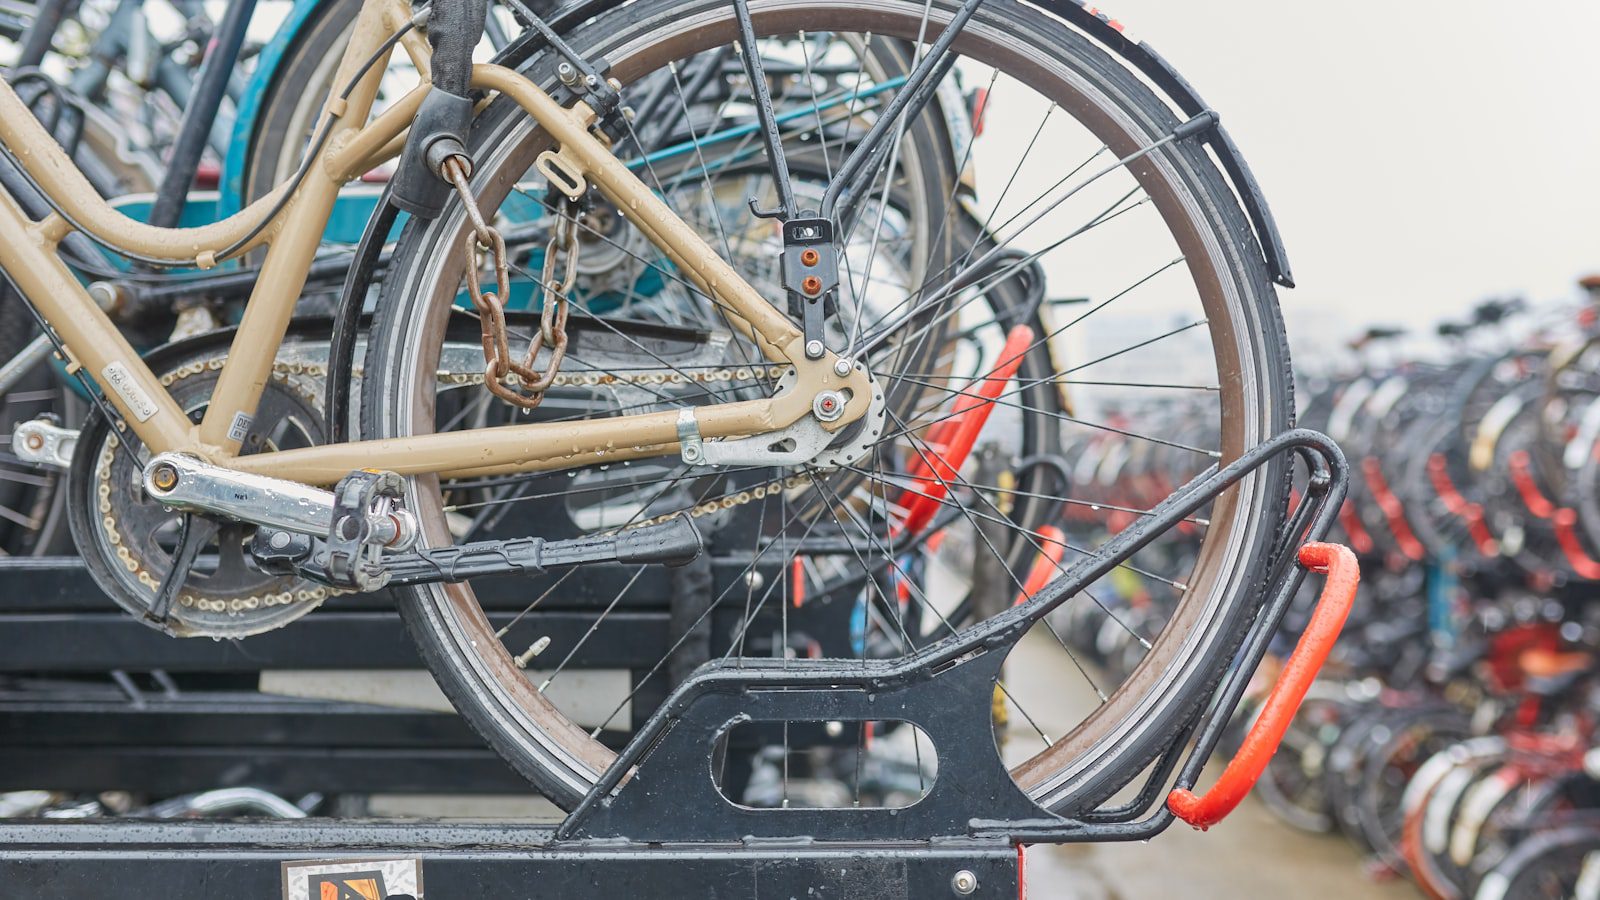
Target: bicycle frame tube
355,144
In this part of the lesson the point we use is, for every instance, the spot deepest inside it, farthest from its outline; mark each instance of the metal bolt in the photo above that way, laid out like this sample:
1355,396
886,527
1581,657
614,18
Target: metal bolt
809,257
754,581
34,441
964,882
279,540
842,367
814,349
691,453
165,477
827,406
811,285
567,74
834,728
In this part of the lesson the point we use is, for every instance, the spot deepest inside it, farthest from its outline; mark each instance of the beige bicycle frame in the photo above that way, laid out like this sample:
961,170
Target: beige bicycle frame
358,142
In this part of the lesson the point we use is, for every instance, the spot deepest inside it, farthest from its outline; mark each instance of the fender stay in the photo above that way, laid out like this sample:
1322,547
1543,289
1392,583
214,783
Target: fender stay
1144,58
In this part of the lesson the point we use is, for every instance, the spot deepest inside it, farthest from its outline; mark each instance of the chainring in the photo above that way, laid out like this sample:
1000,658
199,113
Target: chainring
128,540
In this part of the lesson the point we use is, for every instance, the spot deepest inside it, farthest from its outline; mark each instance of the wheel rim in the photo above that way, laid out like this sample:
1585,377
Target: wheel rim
1049,776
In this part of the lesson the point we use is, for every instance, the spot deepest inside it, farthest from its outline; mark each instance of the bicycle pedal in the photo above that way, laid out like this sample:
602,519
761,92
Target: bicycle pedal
675,542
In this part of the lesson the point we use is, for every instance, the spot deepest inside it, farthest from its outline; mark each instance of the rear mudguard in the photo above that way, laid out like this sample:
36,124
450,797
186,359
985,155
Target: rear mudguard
1103,29
1113,36
1142,57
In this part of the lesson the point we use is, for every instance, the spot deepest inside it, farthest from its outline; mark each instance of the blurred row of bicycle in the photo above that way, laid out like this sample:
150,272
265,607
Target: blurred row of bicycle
1452,735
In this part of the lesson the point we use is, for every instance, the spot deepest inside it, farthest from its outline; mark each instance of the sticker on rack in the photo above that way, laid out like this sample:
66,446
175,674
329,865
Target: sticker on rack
240,429
132,393
360,879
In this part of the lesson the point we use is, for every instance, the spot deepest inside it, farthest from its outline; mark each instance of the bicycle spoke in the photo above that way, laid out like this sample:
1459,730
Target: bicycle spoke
927,604
592,628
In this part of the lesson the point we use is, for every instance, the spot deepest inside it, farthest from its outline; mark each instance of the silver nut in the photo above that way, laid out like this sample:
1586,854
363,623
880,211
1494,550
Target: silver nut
567,74
754,580
814,349
842,367
964,882
164,477
827,406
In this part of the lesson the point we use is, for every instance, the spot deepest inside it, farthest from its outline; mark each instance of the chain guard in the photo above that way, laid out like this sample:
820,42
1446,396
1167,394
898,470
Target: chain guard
126,539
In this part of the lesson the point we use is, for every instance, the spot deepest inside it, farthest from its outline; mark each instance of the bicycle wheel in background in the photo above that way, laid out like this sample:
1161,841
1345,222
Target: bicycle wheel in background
32,506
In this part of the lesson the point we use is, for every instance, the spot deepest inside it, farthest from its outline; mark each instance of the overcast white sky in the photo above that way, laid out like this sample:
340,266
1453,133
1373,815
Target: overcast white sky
1419,155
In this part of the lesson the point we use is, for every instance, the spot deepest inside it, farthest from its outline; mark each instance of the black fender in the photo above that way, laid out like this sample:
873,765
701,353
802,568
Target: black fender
1106,31
1109,33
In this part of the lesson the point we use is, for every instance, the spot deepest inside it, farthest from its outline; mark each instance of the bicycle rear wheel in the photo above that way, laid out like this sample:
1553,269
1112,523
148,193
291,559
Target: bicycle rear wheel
1194,348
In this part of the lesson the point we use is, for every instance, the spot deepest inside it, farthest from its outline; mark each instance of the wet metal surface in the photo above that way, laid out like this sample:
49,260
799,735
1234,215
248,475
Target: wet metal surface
1250,855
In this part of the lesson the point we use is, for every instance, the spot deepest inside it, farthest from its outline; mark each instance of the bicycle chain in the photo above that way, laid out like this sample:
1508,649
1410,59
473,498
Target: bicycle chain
607,379
290,372
285,376
708,376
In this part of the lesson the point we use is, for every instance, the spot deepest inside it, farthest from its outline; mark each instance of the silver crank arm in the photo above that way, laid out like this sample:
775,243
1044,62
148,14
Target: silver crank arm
186,483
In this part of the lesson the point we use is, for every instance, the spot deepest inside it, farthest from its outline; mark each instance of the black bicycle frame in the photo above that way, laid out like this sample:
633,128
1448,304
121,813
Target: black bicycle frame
204,102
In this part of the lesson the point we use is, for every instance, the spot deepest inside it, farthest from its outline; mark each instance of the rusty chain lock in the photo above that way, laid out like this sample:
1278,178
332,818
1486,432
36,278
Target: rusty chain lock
528,391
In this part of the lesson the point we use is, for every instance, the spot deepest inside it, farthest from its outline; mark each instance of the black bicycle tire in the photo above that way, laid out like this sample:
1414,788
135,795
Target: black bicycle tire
1265,325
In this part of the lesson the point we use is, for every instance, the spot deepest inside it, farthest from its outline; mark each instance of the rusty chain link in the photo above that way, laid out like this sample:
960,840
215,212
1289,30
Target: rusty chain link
530,384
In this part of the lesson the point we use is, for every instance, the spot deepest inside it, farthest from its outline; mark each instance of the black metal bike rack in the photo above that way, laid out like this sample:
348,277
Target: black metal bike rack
657,825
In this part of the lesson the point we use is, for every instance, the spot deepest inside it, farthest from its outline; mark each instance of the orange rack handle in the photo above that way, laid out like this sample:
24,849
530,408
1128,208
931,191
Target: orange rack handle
1338,593
934,471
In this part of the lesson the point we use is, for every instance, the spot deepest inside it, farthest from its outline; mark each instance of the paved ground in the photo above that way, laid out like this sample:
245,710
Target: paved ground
1249,855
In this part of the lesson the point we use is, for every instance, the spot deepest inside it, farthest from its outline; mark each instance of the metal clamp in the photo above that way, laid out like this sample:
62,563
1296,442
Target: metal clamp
810,269
44,443
690,446
795,445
